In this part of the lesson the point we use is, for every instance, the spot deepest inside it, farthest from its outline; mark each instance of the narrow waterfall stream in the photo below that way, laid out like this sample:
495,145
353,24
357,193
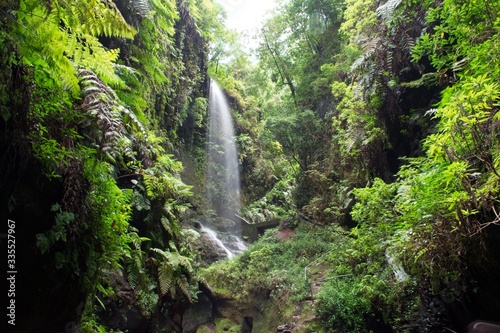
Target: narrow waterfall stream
213,236
223,176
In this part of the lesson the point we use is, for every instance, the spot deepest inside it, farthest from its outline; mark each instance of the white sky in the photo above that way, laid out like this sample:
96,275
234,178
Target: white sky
245,15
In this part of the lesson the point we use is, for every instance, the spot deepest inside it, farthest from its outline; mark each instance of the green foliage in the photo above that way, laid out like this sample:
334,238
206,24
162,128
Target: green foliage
225,325
208,15
110,215
105,104
134,259
357,132
57,38
92,97
460,27
423,202
466,115
160,180
344,307
299,134
277,204
198,110
111,124
375,208
59,230
360,19
90,324
147,302
174,272
164,15
271,266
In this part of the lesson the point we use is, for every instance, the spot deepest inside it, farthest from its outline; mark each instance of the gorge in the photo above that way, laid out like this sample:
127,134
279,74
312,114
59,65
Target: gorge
341,178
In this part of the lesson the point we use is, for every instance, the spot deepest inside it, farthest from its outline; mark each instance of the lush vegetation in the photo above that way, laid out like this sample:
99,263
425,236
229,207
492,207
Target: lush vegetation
367,128
387,116
92,96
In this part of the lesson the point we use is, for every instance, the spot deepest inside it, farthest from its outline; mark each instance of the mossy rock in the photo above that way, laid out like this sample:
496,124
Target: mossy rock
224,325
205,329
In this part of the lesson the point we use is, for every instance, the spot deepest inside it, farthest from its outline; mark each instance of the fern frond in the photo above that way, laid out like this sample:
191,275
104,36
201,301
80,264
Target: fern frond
129,116
93,17
183,285
166,224
386,11
134,269
141,7
63,36
166,14
370,45
165,277
102,104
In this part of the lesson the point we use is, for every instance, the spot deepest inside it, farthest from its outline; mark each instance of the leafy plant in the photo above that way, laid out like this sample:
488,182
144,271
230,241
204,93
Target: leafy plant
174,272
57,49
58,232
106,113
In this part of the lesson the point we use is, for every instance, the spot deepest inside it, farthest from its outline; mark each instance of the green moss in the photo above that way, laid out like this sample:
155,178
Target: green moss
204,329
224,325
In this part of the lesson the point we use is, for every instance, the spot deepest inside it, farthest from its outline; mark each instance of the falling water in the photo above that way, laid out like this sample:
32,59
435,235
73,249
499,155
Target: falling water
223,177
213,236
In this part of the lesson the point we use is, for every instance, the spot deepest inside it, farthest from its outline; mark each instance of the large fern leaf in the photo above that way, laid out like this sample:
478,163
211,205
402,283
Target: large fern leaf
93,17
165,277
102,105
64,35
183,285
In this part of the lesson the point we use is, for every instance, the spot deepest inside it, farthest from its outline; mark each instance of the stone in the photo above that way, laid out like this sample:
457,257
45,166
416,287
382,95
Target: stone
199,314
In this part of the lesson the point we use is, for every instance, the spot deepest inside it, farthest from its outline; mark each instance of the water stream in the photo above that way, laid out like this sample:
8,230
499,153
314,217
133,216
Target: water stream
215,238
223,176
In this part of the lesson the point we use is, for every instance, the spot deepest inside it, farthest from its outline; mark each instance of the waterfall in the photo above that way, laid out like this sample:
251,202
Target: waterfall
213,236
223,176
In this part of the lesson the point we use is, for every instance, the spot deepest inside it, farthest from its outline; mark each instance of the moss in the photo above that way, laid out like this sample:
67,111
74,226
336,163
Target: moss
224,325
427,80
205,329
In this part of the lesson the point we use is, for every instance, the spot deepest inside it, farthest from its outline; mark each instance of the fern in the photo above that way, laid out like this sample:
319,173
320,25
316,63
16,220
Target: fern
166,15
173,272
142,7
102,104
134,261
183,284
58,38
165,277
386,11
92,17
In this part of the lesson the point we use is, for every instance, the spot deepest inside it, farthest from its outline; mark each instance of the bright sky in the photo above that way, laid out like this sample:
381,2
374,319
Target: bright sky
246,14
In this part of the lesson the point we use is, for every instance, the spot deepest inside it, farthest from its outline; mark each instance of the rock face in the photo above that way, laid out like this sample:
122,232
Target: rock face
210,249
216,237
197,315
